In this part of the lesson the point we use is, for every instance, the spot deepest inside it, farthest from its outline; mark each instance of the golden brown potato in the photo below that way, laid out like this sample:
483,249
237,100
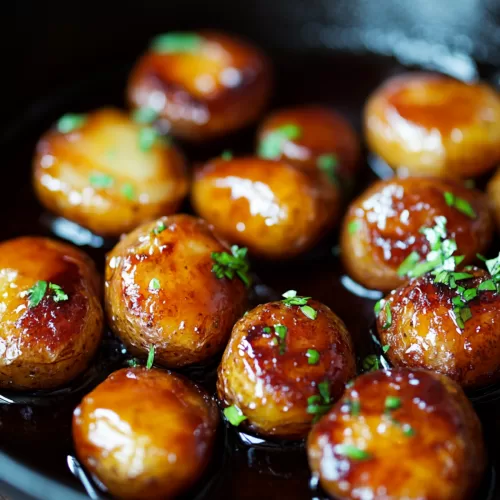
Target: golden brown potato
493,191
448,330
161,290
204,84
382,228
274,209
51,319
145,433
431,124
278,358
108,173
399,434
311,137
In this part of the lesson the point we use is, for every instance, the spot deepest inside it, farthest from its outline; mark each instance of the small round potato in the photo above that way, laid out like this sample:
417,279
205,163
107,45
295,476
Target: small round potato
399,434
273,208
493,191
431,124
425,328
108,173
51,319
203,84
382,228
311,137
145,433
160,290
277,359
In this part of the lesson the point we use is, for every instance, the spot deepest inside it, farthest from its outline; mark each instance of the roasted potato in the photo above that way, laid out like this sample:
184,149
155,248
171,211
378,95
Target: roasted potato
382,229
203,84
161,290
271,207
453,331
493,191
311,137
51,319
431,124
145,433
399,434
107,172
280,356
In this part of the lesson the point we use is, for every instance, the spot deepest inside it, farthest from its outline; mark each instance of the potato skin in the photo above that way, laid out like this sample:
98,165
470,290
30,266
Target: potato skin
322,132
108,144
387,219
423,332
431,124
443,460
189,318
271,389
493,191
274,209
191,90
48,345
145,433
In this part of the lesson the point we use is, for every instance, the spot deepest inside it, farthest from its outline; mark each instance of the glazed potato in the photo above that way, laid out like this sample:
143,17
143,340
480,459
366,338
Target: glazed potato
311,137
161,290
277,359
431,124
399,434
274,209
383,227
203,84
107,172
428,325
493,191
145,433
51,320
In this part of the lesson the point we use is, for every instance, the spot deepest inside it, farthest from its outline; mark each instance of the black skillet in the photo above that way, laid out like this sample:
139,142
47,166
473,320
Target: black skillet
74,56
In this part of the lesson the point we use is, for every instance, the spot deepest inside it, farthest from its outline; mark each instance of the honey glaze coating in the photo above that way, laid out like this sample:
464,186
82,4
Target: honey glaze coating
204,84
271,378
145,433
313,137
431,124
273,208
160,290
107,172
418,322
46,341
493,191
382,226
399,434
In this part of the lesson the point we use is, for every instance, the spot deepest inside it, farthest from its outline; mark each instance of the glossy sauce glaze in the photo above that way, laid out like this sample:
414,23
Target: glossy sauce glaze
37,430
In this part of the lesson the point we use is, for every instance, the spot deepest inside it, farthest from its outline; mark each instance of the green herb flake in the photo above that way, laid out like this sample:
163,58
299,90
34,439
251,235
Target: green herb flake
354,226
128,191
392,403
151,357
324,391
272,143
388,316
328,163
355,407
266,329
234,415
371,363
147,138
408,430
377,307
70,122
154,284
385,348
488,285
160,227
312,356
460,204
226,155
145,115
408,264
176,42
58,293
132,363
101,180
36,293
469,294
319,404
493,266
309,312
281,331
292,299
234,264
352,452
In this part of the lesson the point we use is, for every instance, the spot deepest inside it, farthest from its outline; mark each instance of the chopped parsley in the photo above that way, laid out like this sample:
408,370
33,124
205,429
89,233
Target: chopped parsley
272,143
266,329
281,331
70,122
292,299
226,155
37,292
328,163
312,356
147,138
352,452
229,265
176,42
154,284
145,115
101,180
408,430
320,404
385,348
354,407
151,357
460,204
408,264
488,285
133,363
160,227
378,307
392,403
388,316
128,191
234,415
371,363
354,226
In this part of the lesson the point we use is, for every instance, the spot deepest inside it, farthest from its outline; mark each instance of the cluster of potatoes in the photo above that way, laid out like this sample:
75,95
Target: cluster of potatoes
176,292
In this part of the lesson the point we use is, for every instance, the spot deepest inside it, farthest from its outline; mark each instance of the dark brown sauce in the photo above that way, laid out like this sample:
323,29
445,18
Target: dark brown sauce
36,428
